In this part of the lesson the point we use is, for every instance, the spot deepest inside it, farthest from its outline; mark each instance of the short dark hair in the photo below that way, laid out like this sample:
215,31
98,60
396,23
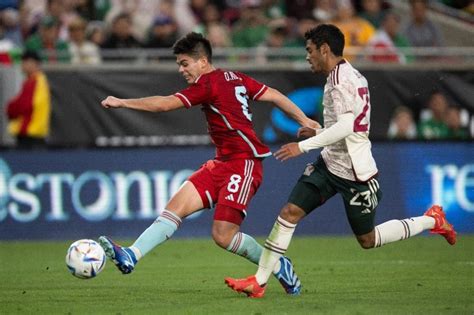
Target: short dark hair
435,92
195,45
30,54
327,34
122,16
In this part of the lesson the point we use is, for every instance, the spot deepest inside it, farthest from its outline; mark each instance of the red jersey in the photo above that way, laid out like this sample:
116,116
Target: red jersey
29,112
224,98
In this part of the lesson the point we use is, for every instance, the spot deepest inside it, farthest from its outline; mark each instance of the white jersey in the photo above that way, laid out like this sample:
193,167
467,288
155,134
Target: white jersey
346,91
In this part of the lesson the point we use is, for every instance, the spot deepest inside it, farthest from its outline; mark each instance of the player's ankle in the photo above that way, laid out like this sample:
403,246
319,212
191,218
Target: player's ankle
136,252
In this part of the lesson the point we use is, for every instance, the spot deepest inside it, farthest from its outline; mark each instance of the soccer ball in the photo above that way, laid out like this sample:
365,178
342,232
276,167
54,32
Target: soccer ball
85,259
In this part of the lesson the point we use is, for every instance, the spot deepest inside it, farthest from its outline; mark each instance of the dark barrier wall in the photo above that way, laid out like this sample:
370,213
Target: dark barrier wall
72,194
79,119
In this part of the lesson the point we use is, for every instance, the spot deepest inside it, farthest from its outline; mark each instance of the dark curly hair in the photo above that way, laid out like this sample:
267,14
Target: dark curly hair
327,34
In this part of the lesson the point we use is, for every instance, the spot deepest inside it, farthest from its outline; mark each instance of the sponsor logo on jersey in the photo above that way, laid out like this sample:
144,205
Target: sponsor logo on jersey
309,169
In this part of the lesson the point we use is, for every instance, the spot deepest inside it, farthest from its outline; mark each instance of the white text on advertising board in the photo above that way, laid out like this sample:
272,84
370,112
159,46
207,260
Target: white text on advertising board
94,195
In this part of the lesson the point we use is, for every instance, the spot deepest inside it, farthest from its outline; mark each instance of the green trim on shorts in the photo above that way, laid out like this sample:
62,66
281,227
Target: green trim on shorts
318,184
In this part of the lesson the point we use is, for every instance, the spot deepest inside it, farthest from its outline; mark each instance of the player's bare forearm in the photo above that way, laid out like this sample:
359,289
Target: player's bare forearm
288,107
288,151
151,104
297,114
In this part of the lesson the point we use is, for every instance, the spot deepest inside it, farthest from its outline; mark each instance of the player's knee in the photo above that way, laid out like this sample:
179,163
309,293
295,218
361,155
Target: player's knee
222,239
366,242
366,245
292,213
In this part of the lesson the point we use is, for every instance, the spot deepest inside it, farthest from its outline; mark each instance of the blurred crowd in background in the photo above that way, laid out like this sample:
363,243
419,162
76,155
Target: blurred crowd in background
439,120
77,31
88,31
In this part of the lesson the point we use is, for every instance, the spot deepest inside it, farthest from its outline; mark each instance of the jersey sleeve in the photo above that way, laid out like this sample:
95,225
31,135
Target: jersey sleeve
197,93
343,96
255,89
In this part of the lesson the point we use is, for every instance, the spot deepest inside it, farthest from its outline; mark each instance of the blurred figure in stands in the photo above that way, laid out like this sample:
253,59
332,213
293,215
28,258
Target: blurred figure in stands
298,9
29,111
28,19
275,39
373,11
277,35
274,9
402,125
140,14
95,32
6,47
210,16
219,35
303,25
387,40
251,29
11,22
212,25
324,11
63,12
420,31
163,33
82,51
357,31
46,43
199,9
432,123
121,34
456,129
92,10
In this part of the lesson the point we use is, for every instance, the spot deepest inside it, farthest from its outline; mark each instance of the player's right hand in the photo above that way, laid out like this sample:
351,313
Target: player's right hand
306,132
112,102
311,124
288,151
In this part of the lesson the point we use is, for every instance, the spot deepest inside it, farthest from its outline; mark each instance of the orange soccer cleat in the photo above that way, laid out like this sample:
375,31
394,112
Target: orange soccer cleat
442,226
248,286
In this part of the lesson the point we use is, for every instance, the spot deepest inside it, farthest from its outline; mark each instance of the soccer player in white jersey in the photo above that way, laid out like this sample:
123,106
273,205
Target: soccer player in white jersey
345,166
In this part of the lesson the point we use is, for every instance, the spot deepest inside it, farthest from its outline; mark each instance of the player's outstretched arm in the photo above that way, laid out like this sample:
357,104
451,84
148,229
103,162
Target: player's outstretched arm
287,106
151,104
341,129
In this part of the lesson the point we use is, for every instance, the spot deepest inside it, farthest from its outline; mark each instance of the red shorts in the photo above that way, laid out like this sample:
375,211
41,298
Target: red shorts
230,183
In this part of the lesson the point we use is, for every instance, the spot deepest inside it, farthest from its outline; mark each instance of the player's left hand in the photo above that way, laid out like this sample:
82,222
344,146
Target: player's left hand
288,151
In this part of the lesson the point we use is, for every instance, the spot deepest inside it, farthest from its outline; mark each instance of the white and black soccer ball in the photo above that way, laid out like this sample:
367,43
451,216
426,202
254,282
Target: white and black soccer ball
85,259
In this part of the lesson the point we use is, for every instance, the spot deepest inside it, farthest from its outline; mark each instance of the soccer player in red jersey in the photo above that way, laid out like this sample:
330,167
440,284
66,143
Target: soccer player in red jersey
226,183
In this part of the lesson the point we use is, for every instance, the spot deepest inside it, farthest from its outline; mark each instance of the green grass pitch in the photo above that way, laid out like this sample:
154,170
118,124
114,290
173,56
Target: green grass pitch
423,275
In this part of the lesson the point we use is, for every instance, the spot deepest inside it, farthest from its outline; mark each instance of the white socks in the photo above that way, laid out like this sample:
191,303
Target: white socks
397,230
275,246
280,237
